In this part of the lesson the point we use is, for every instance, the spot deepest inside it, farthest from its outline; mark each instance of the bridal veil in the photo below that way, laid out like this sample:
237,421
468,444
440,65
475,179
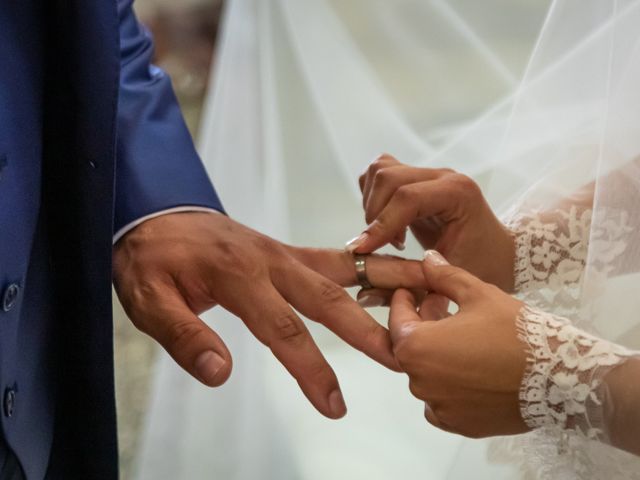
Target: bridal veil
533,99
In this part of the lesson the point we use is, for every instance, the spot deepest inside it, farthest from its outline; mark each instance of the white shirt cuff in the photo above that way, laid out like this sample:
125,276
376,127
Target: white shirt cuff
130,226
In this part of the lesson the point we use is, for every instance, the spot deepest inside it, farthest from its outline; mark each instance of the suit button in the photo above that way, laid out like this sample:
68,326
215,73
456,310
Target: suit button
9,402
10,297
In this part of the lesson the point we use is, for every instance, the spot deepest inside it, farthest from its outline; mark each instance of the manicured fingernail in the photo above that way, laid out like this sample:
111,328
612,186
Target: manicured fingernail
434,258
356,242
208,364
367,301
336,404
399,245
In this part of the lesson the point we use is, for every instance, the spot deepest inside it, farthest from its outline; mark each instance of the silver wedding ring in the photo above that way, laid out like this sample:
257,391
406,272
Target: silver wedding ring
361,270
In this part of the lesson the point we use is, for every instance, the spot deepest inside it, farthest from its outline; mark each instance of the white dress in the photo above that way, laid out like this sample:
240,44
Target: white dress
305,94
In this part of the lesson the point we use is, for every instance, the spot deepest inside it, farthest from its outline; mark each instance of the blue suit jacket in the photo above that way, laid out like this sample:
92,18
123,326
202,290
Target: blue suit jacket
91,139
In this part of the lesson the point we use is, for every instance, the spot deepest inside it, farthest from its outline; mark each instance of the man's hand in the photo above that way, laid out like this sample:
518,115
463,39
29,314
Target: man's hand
174,267
445,210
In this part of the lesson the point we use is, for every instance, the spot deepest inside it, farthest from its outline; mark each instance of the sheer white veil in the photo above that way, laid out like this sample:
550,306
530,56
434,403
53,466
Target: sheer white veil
532,99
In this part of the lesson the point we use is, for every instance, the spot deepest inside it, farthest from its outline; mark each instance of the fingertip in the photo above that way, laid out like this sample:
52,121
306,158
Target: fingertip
370,301
355,245
434,307
434,258
212,369
373,297
402,296
399,245
337,405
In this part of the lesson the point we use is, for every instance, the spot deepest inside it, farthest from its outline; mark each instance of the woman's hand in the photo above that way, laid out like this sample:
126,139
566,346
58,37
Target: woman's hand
467,367
445,211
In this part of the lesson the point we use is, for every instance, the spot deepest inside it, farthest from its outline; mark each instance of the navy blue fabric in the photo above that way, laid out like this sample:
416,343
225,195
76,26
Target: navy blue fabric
90,138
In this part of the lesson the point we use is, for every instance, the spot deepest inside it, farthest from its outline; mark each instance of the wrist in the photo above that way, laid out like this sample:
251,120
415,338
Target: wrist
621,407
506,263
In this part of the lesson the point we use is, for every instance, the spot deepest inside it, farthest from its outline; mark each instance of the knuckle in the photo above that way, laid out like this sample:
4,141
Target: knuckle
144,291
318,370
139,302
465,185
383,177
437,407
406,194
230,258
288,328
332,292
268,246
362,179
416,389
182,333
380,162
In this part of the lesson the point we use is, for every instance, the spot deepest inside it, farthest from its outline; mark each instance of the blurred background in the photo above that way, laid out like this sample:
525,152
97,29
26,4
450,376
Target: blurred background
185,34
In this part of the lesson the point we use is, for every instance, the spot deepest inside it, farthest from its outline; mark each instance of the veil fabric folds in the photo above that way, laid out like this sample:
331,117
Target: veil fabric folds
534,100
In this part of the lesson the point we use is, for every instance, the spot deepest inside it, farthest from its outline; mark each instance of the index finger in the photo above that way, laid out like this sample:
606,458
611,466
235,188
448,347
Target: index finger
407,204
324,301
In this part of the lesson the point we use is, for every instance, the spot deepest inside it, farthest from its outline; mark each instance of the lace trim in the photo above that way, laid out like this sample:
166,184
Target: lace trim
562,383
550,454
564,403
551,253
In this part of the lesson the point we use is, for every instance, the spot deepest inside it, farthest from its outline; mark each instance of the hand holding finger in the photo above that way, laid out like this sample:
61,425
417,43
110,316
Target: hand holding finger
387,181
407,204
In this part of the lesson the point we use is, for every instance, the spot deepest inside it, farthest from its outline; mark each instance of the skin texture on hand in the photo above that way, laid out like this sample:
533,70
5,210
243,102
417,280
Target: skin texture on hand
171,268
621,408
445,211
466,367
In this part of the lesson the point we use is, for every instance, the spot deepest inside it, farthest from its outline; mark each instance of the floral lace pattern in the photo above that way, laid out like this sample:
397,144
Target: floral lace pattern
563,390
563,382
551,253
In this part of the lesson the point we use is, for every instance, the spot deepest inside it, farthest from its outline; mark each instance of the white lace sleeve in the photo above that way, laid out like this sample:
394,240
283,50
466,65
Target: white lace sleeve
551,247
565,381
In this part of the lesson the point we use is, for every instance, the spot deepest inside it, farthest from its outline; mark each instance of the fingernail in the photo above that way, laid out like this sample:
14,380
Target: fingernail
356,242
336,404
399,245
434,258
208,364
367,301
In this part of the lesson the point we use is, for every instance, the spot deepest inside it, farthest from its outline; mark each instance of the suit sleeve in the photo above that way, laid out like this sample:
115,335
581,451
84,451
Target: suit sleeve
157,167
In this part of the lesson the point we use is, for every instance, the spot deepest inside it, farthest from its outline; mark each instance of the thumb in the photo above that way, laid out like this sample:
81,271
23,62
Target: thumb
189,341
452,282
403,316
